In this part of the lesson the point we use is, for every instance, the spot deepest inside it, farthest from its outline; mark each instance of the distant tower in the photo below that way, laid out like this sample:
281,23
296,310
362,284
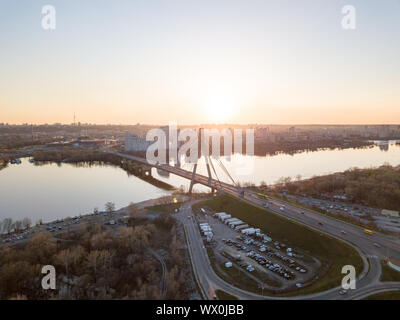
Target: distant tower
74,118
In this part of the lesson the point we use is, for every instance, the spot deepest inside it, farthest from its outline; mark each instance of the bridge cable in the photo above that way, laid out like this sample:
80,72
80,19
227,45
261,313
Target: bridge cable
226,171
215,172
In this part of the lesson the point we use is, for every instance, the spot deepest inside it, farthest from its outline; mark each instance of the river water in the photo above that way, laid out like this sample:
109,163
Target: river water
54,191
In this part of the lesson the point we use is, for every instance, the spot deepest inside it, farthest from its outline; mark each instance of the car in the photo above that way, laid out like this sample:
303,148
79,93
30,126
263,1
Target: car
302,212
320,223
343,232
342,292
282,208
377,245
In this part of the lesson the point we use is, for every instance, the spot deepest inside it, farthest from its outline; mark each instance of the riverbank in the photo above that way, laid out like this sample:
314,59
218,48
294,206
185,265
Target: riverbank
94,157
99,256
293,147
70,223
375,187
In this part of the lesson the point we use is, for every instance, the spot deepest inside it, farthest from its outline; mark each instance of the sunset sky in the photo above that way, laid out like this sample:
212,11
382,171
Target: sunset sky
200,61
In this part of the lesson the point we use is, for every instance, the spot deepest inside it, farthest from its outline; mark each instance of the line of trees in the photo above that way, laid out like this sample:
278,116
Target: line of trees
96,262
7,225
374,187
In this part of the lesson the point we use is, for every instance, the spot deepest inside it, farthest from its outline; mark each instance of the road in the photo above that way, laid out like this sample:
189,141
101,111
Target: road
389,246
368,282
163,289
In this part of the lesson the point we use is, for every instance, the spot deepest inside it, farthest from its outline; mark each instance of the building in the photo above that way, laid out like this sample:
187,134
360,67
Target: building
261,133
135,143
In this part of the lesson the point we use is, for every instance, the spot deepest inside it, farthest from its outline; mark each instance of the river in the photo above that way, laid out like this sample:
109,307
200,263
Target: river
54,191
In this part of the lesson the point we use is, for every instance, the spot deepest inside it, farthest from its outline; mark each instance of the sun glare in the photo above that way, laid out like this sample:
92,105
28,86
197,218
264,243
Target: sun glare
219,108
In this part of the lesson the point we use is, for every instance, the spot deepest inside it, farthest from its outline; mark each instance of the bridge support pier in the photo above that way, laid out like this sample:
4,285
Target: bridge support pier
192,182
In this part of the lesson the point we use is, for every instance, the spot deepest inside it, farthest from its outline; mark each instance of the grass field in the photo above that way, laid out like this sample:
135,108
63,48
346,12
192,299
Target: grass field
390,295
333,253
236,277
389,274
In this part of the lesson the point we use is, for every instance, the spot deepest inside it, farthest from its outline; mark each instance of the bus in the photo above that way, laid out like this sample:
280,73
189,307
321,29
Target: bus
367,231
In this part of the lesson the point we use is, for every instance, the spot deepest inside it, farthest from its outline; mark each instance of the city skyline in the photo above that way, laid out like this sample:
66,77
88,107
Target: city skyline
200,62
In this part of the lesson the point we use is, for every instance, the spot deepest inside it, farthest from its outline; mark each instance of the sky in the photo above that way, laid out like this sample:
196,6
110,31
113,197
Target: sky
200,61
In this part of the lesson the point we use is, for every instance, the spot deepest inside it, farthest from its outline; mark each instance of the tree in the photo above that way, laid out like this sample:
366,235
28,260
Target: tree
110,208
102,240
64,257
26,223
7,225
17,225
78,253
41,247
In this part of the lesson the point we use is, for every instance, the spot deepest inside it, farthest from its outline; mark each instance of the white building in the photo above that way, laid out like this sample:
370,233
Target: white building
135,143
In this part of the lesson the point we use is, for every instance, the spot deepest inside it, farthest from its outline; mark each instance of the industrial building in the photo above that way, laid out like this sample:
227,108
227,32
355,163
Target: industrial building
135,143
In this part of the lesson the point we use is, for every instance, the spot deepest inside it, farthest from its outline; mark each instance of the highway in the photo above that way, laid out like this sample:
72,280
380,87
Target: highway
367,282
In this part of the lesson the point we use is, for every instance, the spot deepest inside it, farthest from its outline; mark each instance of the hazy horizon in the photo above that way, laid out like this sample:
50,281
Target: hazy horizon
204,124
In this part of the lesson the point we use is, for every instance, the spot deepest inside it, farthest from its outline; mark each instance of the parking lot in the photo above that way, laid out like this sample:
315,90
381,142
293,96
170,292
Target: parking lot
361,213
261,256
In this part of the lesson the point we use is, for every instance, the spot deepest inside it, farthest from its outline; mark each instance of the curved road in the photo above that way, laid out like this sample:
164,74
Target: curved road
389,246
368,282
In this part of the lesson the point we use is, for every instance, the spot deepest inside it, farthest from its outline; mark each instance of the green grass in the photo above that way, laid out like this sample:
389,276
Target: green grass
333,254
235,276
165,208
222,295
389,295
389,274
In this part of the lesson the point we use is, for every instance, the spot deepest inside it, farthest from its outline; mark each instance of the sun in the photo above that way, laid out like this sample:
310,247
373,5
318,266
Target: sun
219,107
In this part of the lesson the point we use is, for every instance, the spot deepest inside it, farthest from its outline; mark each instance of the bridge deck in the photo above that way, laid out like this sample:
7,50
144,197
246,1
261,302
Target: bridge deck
198,178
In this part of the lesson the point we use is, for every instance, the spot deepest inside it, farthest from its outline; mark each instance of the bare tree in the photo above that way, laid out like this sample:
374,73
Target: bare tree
64,257
18,225
7,225
26,223
110,208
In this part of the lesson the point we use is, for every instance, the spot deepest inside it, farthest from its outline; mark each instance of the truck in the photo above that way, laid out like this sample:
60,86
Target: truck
242,226
230,220
248,231
367,231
